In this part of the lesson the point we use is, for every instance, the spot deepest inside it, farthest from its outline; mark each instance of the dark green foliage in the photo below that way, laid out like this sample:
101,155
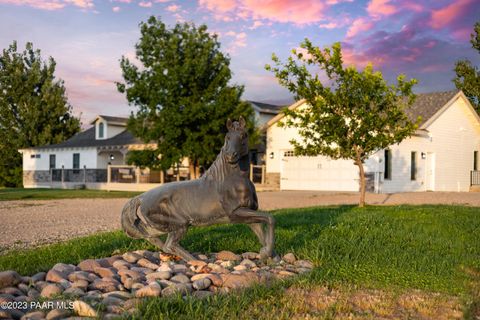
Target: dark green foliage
352,115
34,109
181,92
143,158
467,76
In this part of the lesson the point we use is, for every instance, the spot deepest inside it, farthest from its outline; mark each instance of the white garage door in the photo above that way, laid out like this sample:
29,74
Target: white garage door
318,173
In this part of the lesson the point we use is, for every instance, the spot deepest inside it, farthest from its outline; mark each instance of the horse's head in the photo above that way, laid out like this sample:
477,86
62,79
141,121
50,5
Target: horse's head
236,140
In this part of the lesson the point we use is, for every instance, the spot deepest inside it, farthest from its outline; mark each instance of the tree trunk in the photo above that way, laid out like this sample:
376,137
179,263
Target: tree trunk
191,169
359,163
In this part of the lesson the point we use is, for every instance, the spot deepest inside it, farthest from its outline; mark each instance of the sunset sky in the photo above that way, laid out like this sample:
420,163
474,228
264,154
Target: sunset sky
422,39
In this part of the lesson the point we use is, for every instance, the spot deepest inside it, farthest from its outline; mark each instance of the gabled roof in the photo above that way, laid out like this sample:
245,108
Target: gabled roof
266,107
87,139
112,120
426,105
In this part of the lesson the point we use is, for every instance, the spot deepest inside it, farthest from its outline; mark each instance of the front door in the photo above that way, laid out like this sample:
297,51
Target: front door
430,172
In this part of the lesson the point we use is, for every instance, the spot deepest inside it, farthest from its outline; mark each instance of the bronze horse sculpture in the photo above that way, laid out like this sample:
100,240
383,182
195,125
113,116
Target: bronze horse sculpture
224,194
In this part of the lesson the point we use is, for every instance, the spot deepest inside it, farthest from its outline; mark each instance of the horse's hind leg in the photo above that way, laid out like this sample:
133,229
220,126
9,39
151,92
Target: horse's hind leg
257,228
172,246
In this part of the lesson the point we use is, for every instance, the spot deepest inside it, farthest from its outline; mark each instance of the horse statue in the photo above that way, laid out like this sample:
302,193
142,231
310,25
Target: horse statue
224,194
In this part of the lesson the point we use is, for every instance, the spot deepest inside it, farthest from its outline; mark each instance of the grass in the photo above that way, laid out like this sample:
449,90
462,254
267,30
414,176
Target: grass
391,250
7,194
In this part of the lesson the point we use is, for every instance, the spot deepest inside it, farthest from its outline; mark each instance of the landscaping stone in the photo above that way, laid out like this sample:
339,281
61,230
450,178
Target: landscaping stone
201,284
180,278
51,290
152,290
227,256
13,313
83,309
34,315
57,314
89,265
131,257
9,278
118,283
289,258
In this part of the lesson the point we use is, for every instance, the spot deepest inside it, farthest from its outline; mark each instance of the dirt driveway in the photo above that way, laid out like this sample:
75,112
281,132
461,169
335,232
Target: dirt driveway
31,223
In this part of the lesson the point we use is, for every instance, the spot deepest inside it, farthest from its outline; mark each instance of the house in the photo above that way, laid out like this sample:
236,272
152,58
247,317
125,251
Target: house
442,155
96,158
82,159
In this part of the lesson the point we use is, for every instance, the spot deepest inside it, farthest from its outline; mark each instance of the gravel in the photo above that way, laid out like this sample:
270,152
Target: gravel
29,223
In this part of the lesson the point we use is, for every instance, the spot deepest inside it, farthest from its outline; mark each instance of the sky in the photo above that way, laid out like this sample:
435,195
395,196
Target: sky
87,38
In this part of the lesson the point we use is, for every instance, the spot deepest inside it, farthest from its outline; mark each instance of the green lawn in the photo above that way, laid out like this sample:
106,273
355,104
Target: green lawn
48,194
393,250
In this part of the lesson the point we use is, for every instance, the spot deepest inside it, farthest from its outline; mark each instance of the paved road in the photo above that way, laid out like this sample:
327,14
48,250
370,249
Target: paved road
31,223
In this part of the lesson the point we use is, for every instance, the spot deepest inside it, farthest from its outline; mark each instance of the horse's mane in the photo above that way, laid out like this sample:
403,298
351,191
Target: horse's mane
217,169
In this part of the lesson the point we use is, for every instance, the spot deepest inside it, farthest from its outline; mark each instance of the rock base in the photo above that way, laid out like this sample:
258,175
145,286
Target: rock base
117,284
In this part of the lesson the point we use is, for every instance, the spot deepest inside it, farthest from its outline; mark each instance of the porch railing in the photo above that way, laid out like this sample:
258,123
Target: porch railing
82,175
475,178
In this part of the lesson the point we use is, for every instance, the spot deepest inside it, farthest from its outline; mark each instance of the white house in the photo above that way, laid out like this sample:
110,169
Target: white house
84,158
442,155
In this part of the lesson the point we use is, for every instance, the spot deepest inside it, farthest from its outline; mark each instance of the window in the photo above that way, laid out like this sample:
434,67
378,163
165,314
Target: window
413,165
52,161
289,153
35,156
101,129
76,161
475,160
387,174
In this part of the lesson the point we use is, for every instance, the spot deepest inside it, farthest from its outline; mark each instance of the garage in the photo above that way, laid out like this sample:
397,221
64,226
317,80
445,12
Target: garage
318,173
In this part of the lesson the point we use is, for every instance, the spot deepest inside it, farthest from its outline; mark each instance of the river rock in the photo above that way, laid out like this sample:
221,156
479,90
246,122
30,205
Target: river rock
83,309
51,290
234,281
40,276
57,314
89,265
78,292
303,264
78,275
82,284
121,264
9,278
179,268
106,272
180,278
147,264
201,284
55,276
131,257
152,290
248,263
202,294
249,255
227,256
118,294
289,258
160,275
12,291
34,315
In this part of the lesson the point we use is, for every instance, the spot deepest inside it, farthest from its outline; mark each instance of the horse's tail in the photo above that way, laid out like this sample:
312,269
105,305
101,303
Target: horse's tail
131,223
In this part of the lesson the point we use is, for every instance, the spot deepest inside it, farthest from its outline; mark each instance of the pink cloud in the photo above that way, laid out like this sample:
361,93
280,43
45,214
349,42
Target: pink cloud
50,4
256,24
330,25
377,8
295,11
443,17
359,25
218,5
172,8
116,9
145,4
122,1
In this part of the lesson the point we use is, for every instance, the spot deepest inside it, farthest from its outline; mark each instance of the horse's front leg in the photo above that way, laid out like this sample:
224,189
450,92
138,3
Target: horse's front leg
248,216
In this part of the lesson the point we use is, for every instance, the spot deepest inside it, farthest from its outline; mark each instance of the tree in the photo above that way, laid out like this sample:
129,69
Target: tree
182,94
467,76
350,116
33,108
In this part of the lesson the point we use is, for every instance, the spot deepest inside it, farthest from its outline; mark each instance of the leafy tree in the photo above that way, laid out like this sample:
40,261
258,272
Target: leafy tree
467,76
352,115
34,109
181,92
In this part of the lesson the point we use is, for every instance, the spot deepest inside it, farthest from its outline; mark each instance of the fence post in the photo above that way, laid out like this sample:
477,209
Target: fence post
51,176
264,169
84,174
137,174
109,174
251,172
63,173
162,177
